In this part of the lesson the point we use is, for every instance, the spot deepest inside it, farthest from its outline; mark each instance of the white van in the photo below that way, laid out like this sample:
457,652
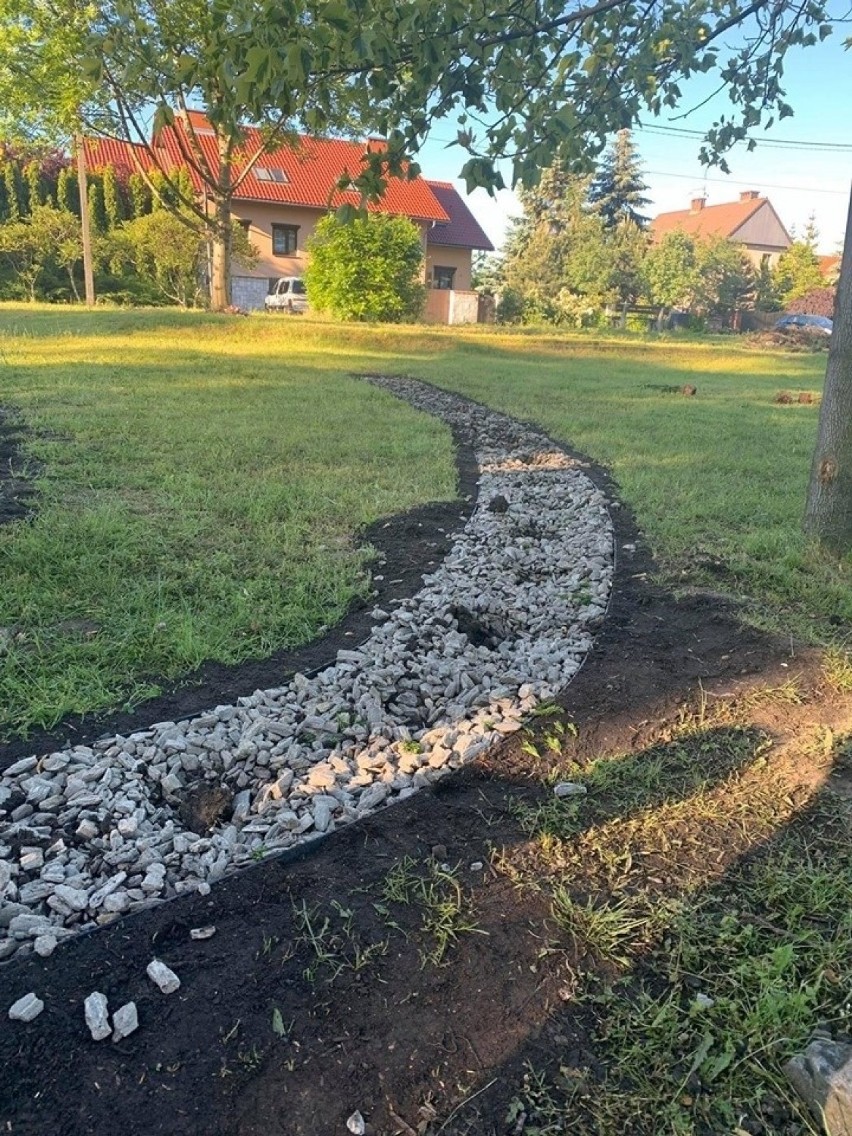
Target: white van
288,295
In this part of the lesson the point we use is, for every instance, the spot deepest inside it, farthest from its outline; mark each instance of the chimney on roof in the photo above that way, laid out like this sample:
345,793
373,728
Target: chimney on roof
749,195
697,204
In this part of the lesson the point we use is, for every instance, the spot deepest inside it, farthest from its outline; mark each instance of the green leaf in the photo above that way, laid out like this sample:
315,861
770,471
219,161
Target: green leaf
278,1023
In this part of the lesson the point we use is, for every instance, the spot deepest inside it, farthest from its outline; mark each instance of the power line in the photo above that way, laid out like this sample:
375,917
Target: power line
769,142
750,184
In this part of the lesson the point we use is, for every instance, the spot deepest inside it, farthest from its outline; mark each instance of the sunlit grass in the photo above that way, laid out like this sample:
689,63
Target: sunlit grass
201,483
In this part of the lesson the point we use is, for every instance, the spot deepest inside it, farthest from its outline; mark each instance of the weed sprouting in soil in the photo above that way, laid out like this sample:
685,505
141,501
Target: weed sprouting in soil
610,932
445,910
333,942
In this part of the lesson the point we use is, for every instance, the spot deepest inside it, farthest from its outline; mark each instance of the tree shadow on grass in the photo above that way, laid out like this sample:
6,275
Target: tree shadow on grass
705,936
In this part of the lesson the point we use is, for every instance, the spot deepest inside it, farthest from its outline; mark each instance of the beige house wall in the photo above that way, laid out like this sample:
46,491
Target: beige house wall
262,215
756,253
251,284
447,257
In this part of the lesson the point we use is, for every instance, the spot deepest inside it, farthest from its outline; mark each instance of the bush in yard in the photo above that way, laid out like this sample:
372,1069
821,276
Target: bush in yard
170,253
36,249
367,268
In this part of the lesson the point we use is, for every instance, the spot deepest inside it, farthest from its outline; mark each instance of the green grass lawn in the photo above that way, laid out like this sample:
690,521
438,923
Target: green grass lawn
202,477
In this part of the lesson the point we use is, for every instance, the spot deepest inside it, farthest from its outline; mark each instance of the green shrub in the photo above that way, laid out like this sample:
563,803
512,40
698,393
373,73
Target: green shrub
368,268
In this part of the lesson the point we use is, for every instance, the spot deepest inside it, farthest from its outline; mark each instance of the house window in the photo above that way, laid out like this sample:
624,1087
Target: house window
442,277
264,173
285,240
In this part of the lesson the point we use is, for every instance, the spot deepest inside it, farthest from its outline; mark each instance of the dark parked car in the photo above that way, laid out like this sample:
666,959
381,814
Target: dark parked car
820,325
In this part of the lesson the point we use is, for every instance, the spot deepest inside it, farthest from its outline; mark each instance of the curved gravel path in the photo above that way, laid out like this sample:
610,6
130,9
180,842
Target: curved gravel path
91,832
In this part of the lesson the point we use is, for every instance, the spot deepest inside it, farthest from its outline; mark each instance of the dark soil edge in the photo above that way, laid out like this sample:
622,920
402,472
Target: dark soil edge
408,546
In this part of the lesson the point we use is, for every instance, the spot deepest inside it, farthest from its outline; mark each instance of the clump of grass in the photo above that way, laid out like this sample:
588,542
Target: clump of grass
612,932
446,911
837,667
333,943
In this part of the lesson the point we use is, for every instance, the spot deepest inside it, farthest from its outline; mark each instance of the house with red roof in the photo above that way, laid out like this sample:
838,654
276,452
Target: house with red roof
751,222
289,189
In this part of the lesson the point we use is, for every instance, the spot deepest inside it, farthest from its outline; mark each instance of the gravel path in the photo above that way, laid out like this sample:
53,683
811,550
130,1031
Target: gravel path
91,832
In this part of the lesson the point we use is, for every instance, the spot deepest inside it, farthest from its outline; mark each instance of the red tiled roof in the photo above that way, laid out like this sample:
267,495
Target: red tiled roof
829,265
101,152
711,221
463,230
312,169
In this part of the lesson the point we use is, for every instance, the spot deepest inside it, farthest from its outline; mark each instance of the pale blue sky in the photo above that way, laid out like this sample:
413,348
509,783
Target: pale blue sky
798,181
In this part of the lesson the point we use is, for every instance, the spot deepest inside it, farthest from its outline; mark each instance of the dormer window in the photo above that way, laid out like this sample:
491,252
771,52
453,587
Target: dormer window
264,173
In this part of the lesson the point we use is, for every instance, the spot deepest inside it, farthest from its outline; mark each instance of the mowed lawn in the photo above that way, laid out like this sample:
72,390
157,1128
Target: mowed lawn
201,481
202,477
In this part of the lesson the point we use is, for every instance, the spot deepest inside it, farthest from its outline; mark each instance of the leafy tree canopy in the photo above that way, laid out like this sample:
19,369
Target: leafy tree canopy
521,82
798,271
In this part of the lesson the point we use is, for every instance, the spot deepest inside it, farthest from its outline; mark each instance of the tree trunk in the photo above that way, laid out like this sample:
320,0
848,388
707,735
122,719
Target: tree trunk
828,514
220,282
88,266
73,283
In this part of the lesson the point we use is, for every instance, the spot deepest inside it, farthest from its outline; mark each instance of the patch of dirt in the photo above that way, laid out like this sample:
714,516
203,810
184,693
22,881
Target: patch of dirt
791,339
323,992
407,545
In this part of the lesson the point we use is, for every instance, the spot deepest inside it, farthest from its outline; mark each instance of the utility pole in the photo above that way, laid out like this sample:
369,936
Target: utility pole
82,185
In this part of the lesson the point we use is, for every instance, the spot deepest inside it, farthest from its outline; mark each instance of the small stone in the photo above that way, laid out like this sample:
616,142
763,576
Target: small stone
200,933
322,816
97,1018
439,852
171,785
45,945
569,789
75,898
32,859
242,806
116,902
704,1001
124,1021
26,1008
87,830
356,1124
22,766
477,866
498,504
163,977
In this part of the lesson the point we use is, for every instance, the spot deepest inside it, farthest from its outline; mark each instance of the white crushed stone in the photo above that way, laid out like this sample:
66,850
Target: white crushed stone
125,1021
94,831
97,1016
162,976
26,1008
